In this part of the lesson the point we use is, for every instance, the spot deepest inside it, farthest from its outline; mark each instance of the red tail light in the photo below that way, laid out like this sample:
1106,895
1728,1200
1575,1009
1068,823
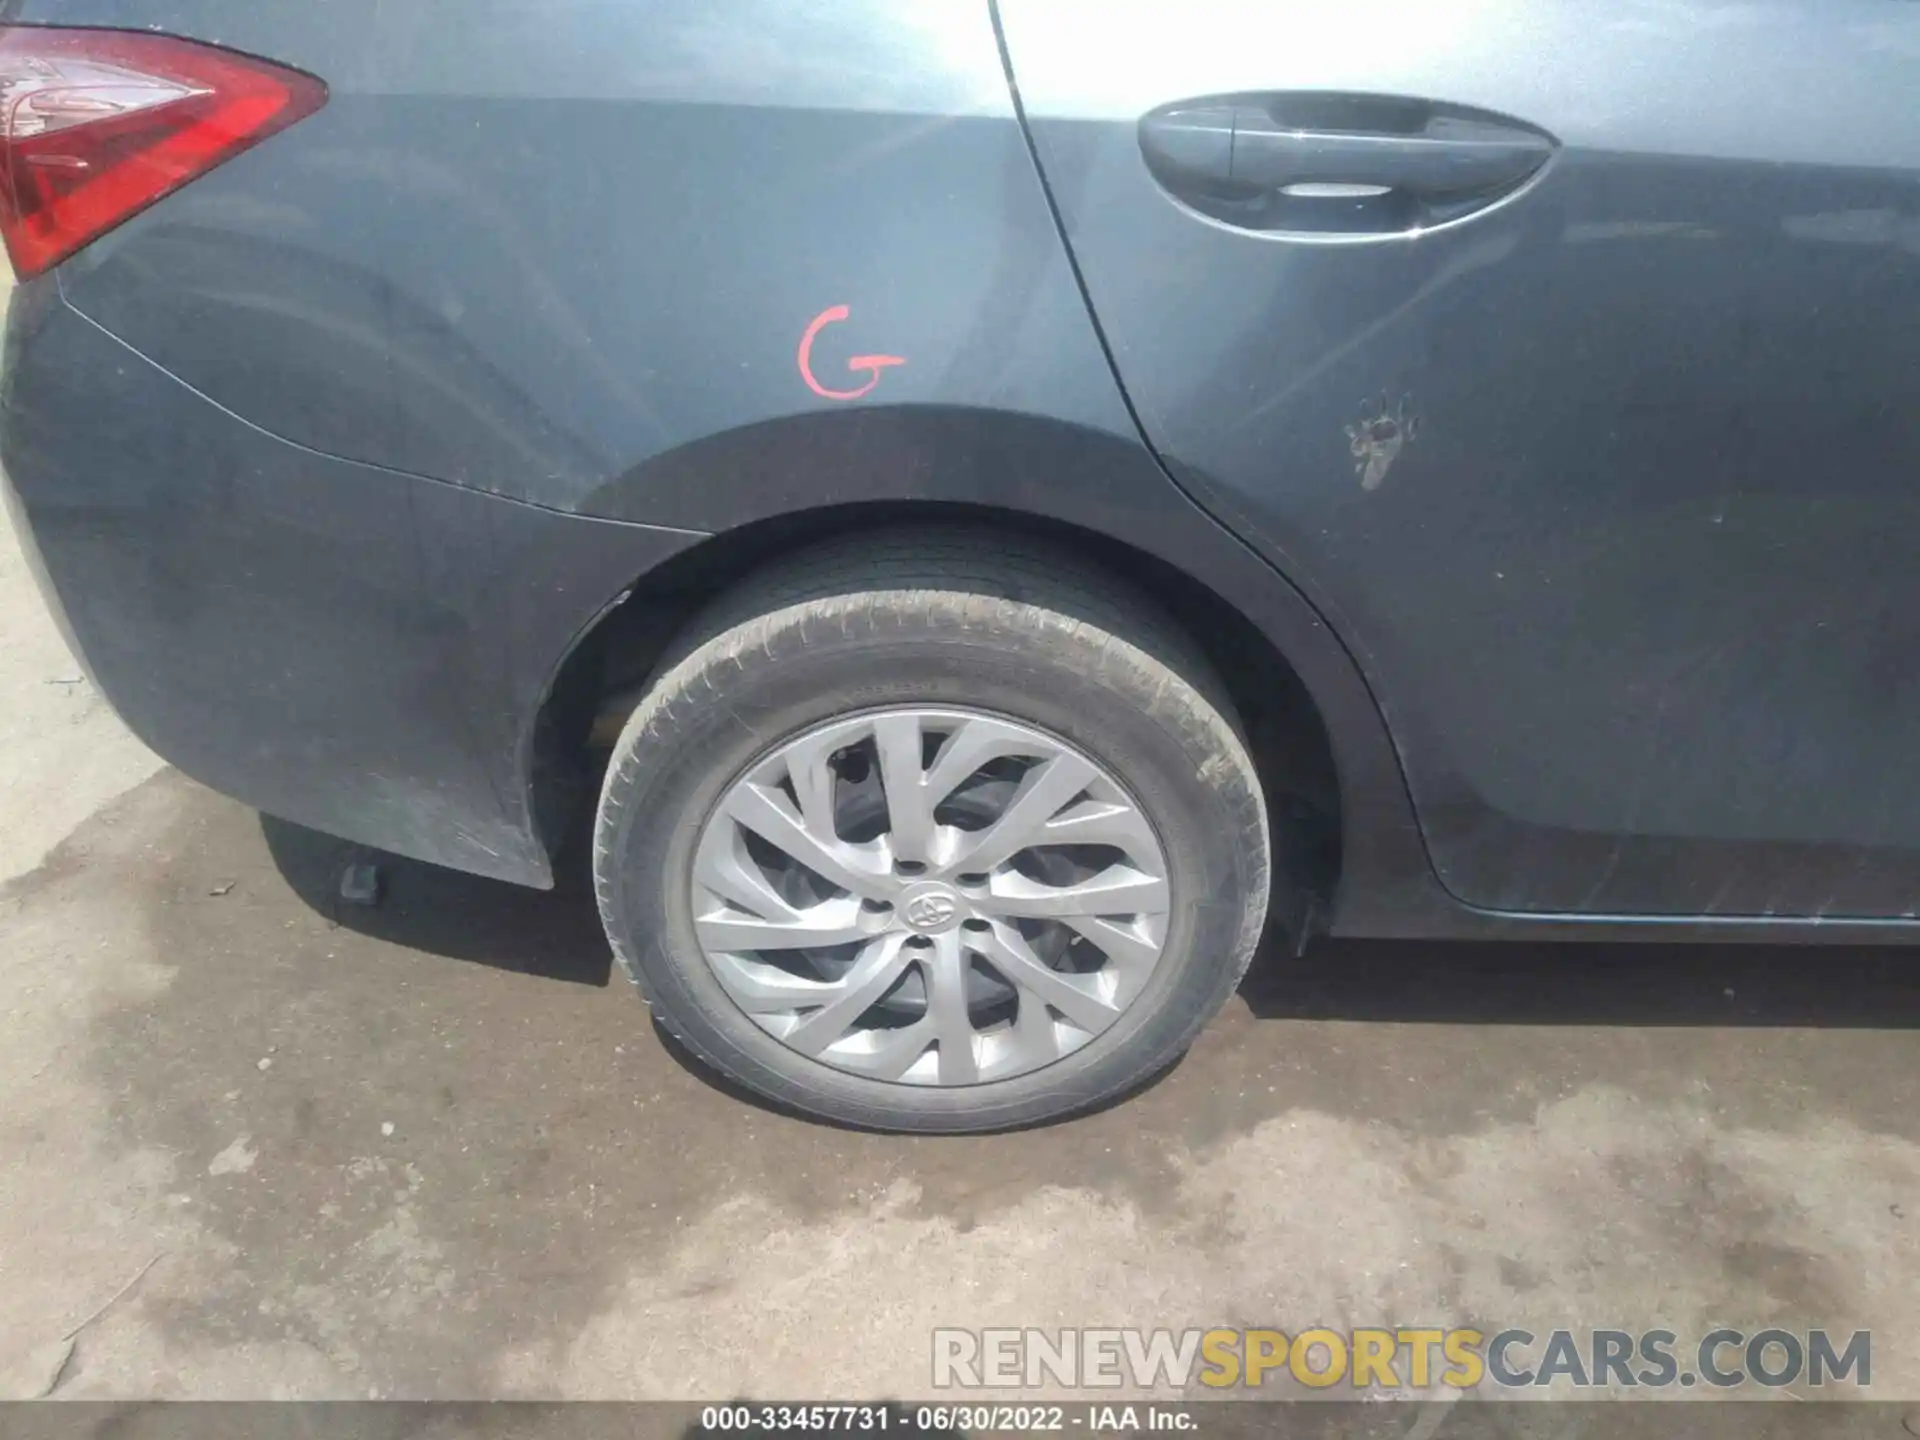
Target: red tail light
96,125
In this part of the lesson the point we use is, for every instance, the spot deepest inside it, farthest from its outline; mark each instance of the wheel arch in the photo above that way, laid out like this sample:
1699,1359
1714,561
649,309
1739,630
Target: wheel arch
1318,735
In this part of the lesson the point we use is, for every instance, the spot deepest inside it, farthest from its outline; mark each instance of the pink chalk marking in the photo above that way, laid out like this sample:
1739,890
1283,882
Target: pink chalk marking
874,365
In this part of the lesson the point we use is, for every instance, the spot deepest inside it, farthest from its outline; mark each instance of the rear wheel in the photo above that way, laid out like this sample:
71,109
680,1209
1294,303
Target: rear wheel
933,833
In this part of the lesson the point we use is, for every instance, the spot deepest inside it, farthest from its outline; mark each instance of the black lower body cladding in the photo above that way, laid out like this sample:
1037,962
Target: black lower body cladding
351,648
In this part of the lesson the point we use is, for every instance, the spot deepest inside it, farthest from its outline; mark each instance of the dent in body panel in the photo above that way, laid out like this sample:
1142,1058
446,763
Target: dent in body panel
1633,603
1691,626
1376,439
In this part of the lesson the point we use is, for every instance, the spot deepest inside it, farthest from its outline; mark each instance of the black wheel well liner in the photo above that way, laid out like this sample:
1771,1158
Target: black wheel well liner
1285,727
759,490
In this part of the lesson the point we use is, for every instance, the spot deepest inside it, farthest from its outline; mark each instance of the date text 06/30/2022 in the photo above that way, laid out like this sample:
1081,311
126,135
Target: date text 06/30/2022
963,1418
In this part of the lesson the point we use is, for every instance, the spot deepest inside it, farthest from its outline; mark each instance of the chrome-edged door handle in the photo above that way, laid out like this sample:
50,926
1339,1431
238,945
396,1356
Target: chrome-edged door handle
1353,164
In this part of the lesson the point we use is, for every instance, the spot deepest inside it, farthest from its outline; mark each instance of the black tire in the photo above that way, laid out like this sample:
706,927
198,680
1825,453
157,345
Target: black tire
981,619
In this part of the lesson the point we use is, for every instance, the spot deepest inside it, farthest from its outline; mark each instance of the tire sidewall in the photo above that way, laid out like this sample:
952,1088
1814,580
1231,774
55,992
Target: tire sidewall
723,707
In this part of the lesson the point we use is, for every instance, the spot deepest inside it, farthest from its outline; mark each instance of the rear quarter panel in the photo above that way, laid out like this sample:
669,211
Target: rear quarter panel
527,248
566,253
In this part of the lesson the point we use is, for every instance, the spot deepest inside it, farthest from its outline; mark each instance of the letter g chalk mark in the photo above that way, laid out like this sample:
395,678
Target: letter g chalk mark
872,364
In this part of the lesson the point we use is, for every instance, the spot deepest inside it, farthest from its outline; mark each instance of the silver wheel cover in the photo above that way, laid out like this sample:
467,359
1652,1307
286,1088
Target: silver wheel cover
930,896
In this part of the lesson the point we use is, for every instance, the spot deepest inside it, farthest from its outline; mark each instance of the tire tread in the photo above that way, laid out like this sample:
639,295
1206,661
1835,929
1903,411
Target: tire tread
983,585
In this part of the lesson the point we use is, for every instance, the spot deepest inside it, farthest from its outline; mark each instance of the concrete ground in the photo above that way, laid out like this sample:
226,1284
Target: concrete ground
252,1145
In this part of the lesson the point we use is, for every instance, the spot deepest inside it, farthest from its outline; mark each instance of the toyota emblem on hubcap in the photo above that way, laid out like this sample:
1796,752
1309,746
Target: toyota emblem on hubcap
930,909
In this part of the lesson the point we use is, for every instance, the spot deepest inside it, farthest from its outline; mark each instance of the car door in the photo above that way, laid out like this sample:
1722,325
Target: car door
1568,358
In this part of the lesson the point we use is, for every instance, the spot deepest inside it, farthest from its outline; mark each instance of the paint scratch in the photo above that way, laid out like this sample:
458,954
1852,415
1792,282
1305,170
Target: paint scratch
1379,436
